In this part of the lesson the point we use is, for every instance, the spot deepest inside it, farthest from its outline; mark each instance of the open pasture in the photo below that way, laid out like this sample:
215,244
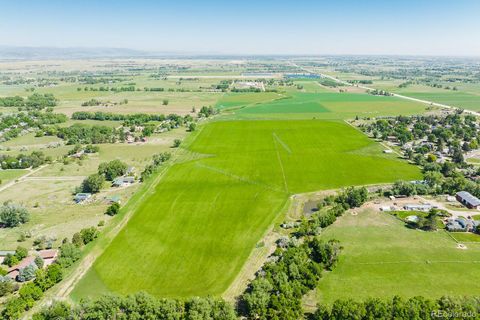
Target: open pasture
194,233
382,257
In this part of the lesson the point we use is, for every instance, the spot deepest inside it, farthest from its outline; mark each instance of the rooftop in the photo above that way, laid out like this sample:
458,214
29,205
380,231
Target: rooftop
468,197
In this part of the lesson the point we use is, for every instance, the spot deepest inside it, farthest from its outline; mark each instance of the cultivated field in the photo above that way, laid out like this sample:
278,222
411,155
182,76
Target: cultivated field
323,105
192,236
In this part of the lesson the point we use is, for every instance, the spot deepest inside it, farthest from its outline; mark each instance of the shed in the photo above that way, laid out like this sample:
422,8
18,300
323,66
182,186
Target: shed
80,197
123,181
467,199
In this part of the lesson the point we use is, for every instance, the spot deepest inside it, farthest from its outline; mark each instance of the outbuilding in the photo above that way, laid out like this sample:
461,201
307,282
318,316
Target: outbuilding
467,199
80,197
123,181
417,207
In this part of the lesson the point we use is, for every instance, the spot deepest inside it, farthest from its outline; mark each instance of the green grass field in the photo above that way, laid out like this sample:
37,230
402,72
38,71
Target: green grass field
323,105
8,175
192,236
452,98
382,257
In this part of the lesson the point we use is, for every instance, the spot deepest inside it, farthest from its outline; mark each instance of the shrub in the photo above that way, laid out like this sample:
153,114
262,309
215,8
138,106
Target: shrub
89,234
69,253
27,273
39,262
12,215
113,209
176,143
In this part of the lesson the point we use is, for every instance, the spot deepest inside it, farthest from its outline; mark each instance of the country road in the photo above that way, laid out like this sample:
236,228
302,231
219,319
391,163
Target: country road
436,104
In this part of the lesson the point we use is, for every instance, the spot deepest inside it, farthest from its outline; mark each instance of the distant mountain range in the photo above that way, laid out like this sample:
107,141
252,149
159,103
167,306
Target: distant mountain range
43,53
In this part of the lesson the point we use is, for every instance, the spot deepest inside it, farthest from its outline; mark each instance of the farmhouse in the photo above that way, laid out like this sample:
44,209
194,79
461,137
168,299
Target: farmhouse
123,181
80,197
468,200
417,207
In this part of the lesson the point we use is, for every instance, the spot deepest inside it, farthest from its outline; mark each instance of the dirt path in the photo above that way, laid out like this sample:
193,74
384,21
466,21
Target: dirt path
55,178
22,178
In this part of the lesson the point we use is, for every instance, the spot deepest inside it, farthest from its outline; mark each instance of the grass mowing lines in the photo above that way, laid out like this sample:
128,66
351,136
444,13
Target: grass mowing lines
228,174
280,163
284,145
193,234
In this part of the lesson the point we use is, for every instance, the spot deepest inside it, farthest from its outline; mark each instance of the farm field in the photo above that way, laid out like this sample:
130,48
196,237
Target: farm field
382,258
192,236
327,105
457,99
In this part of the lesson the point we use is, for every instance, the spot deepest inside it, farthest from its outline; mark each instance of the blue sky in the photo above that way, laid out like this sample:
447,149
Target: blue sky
427,27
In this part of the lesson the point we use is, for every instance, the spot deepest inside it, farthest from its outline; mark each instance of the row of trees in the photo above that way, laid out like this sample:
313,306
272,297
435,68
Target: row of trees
297,264
398,308
23,161
84,134
34,102
140,306
158,160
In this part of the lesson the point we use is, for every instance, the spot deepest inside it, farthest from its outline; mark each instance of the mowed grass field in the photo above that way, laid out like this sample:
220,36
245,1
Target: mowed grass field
381,258
321,105
194,233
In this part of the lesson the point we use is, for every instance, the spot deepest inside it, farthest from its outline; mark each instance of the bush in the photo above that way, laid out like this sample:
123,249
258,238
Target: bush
39,262
89,234
10,260
177,143
93,183
6,286
27,273
21,253
69,253
12,215
113,209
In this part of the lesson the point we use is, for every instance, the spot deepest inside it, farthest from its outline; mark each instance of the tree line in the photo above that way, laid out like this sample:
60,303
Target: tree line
35,101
